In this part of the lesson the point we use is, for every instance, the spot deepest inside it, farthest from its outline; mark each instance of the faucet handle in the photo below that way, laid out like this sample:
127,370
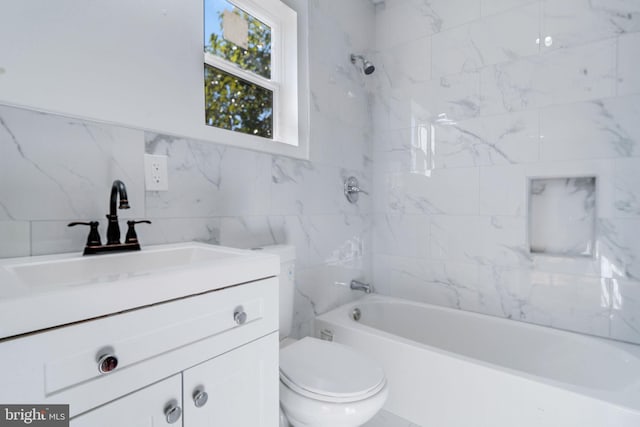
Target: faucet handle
132,237
94,236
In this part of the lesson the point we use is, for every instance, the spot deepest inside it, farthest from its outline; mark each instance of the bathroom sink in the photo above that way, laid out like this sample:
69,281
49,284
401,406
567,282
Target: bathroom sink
109,268
47,291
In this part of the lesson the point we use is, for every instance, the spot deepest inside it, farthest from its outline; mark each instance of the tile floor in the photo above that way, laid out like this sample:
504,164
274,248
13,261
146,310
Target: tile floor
387,419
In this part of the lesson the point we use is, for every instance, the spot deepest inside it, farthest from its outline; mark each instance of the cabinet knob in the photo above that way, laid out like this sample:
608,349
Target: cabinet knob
200,398
173,412
107,363
239,316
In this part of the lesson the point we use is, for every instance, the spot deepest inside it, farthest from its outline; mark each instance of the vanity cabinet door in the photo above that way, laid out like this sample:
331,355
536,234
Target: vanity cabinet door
143,408
236,389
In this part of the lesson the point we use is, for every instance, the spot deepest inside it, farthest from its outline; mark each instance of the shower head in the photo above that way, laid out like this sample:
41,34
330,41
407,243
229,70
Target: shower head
367,66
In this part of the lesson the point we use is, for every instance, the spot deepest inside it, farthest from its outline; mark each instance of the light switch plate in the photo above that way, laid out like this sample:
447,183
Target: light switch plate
156,177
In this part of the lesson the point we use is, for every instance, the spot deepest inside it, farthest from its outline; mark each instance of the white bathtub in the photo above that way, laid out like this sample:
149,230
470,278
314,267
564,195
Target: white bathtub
451,368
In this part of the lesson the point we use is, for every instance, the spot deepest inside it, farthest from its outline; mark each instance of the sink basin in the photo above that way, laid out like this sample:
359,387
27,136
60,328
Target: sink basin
113,267
47,291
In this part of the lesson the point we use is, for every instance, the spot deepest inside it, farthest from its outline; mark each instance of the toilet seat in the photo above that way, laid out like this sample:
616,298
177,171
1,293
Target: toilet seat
329,371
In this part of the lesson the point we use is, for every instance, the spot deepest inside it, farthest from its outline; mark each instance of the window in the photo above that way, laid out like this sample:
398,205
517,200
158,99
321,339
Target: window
250,68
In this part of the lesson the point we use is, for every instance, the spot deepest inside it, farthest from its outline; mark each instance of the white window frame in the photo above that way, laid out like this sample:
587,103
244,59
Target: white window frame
283,82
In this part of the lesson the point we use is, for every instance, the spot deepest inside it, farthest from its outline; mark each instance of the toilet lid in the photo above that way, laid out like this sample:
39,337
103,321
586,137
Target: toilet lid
329,369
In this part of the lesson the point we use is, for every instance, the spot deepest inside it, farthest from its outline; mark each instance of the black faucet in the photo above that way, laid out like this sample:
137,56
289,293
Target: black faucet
131,243
118,189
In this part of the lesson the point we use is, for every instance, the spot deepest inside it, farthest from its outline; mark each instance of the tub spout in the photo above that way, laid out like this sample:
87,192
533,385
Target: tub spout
361,286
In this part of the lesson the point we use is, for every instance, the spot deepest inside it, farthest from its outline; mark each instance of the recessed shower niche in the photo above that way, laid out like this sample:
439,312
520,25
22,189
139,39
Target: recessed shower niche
562,216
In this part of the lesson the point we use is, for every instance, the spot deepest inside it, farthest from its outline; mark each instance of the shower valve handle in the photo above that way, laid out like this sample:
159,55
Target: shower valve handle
356,190
352,189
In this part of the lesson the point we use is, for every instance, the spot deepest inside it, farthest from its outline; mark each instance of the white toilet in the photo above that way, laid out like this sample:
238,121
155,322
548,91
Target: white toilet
322,383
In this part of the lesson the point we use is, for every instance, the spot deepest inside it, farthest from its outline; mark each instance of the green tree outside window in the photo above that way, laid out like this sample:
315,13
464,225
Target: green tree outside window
230,102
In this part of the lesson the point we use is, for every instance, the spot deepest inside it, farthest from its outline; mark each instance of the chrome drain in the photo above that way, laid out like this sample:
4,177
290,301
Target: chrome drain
356,314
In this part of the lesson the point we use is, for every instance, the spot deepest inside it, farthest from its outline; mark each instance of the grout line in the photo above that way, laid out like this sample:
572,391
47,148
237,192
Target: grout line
617,79
611,312
430,58
540,136
31,238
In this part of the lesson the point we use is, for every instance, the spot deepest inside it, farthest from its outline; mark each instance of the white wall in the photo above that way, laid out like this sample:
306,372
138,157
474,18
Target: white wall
451,215
127,62
133,63
54,170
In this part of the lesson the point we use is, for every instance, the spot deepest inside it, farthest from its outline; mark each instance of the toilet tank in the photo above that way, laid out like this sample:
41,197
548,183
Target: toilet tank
287,255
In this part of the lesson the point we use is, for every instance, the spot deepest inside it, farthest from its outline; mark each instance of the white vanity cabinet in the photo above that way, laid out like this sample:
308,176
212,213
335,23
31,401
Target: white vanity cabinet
231,390
237,386
222,343
143,408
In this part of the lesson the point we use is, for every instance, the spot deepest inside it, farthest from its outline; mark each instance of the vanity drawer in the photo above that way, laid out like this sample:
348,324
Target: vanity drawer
151,343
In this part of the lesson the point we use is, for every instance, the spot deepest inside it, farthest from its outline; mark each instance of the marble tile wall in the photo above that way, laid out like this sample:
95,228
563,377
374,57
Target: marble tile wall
471,99
54,170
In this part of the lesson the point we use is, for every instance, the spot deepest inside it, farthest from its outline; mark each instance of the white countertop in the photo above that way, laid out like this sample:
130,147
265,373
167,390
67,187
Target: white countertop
47,291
